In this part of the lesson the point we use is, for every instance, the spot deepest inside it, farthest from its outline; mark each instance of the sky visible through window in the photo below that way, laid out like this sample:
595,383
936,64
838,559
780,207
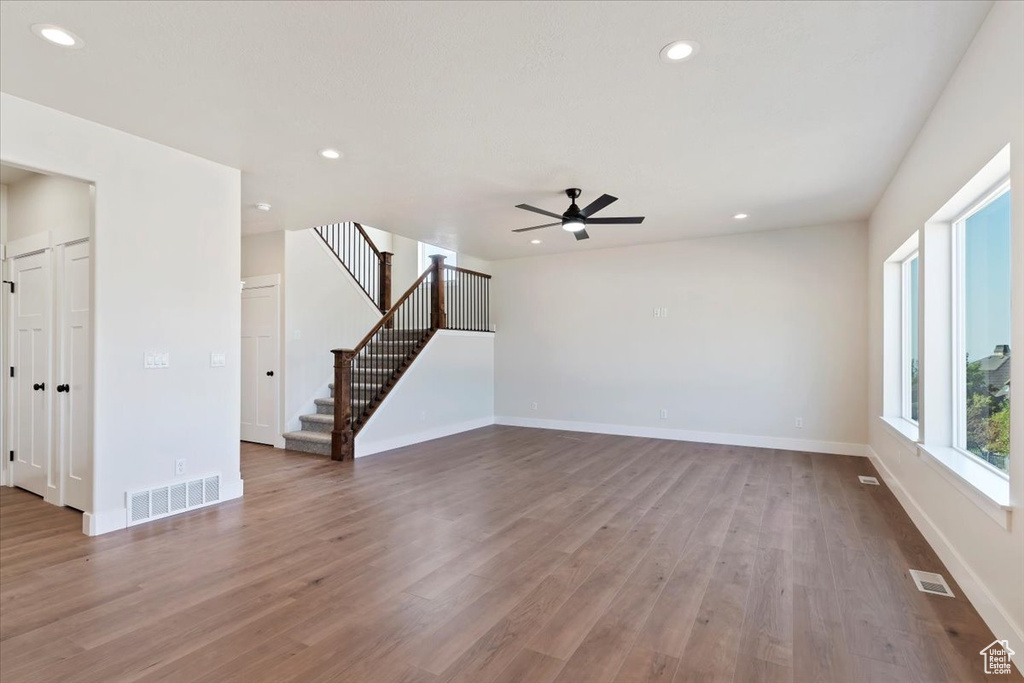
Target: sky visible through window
987,282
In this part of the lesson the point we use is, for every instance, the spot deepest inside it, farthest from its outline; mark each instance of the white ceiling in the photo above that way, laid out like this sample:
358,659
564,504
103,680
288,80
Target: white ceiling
449,114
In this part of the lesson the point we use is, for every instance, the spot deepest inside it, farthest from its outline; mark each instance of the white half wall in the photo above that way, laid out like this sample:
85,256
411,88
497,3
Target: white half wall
761,329
980,111
448,389
167,236
324,309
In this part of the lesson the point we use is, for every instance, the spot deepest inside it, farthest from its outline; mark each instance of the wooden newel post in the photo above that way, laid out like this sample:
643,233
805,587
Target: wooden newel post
342,436
385,281
438,315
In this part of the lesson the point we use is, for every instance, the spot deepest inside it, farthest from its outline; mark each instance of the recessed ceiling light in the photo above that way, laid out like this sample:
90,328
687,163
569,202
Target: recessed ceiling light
679,51
740,216
262,206
57,35
534,241
329,153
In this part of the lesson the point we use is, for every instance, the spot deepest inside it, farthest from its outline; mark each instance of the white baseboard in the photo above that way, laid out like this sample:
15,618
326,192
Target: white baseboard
781,443
369,448
105,521
991,612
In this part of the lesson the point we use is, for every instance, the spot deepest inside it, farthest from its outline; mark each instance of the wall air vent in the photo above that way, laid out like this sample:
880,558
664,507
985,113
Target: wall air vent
927,582
869,480
162,501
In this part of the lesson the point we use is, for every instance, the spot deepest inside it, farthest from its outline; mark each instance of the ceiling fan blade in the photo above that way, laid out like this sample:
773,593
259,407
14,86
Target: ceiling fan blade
542,212
581,235
621,220
598,204
536,227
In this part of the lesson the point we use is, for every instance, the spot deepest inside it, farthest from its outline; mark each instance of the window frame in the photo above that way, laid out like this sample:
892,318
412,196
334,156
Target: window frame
424,259
906,382
958,268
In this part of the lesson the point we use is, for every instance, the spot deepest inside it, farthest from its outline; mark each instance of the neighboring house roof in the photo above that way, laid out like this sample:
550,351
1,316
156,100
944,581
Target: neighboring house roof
997,370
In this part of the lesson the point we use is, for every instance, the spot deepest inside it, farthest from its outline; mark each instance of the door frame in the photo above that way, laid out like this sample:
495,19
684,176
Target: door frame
261,282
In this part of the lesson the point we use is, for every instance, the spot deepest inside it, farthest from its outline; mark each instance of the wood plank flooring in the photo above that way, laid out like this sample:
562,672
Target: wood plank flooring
501,554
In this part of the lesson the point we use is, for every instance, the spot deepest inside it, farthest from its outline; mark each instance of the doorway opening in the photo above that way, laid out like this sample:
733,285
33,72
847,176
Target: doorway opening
46,308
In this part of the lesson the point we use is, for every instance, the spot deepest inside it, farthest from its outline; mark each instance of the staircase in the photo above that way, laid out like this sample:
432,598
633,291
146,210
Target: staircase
443,297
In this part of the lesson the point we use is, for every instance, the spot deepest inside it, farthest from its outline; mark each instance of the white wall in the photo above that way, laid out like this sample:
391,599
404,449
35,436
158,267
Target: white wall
263,254
981,110
166,251
762,328
449,388
42,202
324,309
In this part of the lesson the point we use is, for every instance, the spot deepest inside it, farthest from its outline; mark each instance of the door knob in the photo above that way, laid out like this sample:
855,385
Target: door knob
270,373
63,388
39,387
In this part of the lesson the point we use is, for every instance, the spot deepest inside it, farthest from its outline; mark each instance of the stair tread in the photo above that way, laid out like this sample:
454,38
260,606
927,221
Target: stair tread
318,437
316,417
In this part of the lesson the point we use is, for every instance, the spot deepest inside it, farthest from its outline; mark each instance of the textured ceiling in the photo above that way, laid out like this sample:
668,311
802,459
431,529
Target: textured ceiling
450,114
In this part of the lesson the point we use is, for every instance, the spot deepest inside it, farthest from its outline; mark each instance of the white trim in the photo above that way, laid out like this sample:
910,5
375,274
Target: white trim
984,487
363,448
902,428
105,521
958,333
776,442
991,612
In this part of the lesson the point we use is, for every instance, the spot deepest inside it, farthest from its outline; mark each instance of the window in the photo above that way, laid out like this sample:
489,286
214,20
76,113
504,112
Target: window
981,329
428,250
910,348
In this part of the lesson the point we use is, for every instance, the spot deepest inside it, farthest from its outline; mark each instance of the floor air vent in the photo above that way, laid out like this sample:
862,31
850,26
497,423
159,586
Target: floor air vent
869,480
927,582
162,501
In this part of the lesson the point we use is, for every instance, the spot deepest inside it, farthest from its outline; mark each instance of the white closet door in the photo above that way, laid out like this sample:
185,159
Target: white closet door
73,393
259,364
30,386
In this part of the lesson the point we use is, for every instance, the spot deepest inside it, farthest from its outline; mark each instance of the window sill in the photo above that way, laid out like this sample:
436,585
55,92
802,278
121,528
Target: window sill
985,488
902,428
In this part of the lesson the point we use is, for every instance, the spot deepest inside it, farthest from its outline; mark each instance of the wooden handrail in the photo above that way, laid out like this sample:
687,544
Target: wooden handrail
369,266
468,271
367,238
391,312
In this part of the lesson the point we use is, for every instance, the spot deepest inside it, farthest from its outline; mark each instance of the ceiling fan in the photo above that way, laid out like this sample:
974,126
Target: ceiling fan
575,219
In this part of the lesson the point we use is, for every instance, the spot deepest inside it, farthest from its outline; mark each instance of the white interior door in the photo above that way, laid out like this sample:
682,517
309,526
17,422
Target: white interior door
260,372
73,393
30,358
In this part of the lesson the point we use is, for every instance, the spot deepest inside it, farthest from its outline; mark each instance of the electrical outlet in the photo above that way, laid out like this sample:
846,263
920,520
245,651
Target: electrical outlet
533,406
218,359
657,312
799,423
179,466
664,414
664,312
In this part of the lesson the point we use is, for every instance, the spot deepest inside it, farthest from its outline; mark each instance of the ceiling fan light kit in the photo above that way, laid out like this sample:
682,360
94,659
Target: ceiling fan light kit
575,219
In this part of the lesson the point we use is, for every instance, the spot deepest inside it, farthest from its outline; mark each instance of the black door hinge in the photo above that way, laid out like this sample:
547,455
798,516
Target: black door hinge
9,282
12,371
12,456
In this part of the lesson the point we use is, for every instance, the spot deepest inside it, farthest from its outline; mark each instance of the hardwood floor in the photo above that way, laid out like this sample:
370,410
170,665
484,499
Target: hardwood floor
502,554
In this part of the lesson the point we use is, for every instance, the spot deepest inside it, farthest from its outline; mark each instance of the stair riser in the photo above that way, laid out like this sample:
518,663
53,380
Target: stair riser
308,447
